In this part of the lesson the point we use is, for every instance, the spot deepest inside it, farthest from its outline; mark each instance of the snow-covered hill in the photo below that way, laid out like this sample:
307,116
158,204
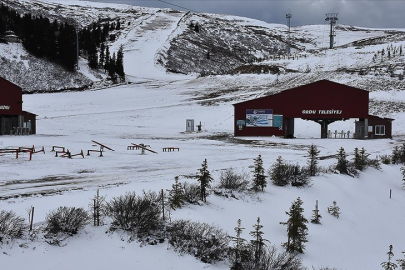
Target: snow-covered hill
161,42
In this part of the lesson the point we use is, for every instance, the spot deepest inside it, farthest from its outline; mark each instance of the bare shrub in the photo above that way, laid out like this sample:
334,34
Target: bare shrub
191,193
282,261
206,242
385,159
11,225
271,259
234,180
137,214
66,220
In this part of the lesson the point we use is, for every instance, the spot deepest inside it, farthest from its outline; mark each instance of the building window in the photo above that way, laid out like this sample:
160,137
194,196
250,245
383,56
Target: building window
380,130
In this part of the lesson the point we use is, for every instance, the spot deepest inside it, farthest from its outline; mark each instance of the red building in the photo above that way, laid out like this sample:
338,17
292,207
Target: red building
13,120
323,102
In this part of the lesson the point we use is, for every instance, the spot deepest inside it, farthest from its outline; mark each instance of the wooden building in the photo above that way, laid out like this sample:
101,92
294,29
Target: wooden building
13,120
323,102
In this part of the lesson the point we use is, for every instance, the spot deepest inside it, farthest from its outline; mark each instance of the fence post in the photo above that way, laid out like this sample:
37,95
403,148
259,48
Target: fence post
31,217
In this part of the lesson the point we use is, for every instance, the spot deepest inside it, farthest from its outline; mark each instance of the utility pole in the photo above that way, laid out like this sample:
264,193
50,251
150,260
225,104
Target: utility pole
332,18
288,16
77,47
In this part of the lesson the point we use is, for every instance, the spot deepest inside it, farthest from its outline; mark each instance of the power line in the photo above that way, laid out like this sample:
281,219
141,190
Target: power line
176,5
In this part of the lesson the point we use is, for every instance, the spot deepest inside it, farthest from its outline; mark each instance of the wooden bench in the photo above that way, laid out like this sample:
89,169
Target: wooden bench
169,149
58,147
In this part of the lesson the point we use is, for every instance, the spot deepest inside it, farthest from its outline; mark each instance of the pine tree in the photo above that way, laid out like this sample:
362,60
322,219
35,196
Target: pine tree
296,228
239,253
396,156
360,159
176,195
102,55
342,165
204,177
92,55
277,173
259,180
312,162
316,217
334,210
403,175
111,68
297,175
401,262
388,265
120,64
258,243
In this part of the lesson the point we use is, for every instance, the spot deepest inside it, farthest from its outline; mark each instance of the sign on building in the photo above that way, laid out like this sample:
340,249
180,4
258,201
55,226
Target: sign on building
259,118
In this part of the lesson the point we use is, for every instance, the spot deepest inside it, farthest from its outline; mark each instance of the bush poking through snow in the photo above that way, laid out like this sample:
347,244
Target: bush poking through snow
11,225
66,220
233,180
206,242
137,214
385,159
191,193
334,210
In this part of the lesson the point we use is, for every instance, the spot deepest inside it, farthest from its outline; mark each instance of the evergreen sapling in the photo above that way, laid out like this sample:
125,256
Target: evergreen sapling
239,253
401,262
316,217
258,243
176,195
259,180
277,172
342,164
205,179
388,265
312,162
296,228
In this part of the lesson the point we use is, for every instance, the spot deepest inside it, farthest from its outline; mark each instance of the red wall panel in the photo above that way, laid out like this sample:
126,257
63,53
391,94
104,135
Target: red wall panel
10,98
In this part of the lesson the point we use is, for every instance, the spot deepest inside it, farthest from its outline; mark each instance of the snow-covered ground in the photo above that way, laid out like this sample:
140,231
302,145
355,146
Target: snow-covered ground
153,109
119,116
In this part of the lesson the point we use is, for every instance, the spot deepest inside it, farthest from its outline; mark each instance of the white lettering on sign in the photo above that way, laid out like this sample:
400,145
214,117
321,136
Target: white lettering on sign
321,111
4,107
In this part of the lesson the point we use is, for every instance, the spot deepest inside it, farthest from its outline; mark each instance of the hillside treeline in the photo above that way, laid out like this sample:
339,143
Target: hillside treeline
57,41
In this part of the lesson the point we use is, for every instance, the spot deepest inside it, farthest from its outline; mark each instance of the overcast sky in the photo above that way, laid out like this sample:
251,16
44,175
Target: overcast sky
365,13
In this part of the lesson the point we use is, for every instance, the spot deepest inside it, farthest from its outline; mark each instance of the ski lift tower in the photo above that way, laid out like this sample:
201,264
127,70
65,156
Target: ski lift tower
331,18
288,16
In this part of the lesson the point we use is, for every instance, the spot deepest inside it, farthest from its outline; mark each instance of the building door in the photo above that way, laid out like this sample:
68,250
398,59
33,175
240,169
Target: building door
289,127
5,126
362,132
